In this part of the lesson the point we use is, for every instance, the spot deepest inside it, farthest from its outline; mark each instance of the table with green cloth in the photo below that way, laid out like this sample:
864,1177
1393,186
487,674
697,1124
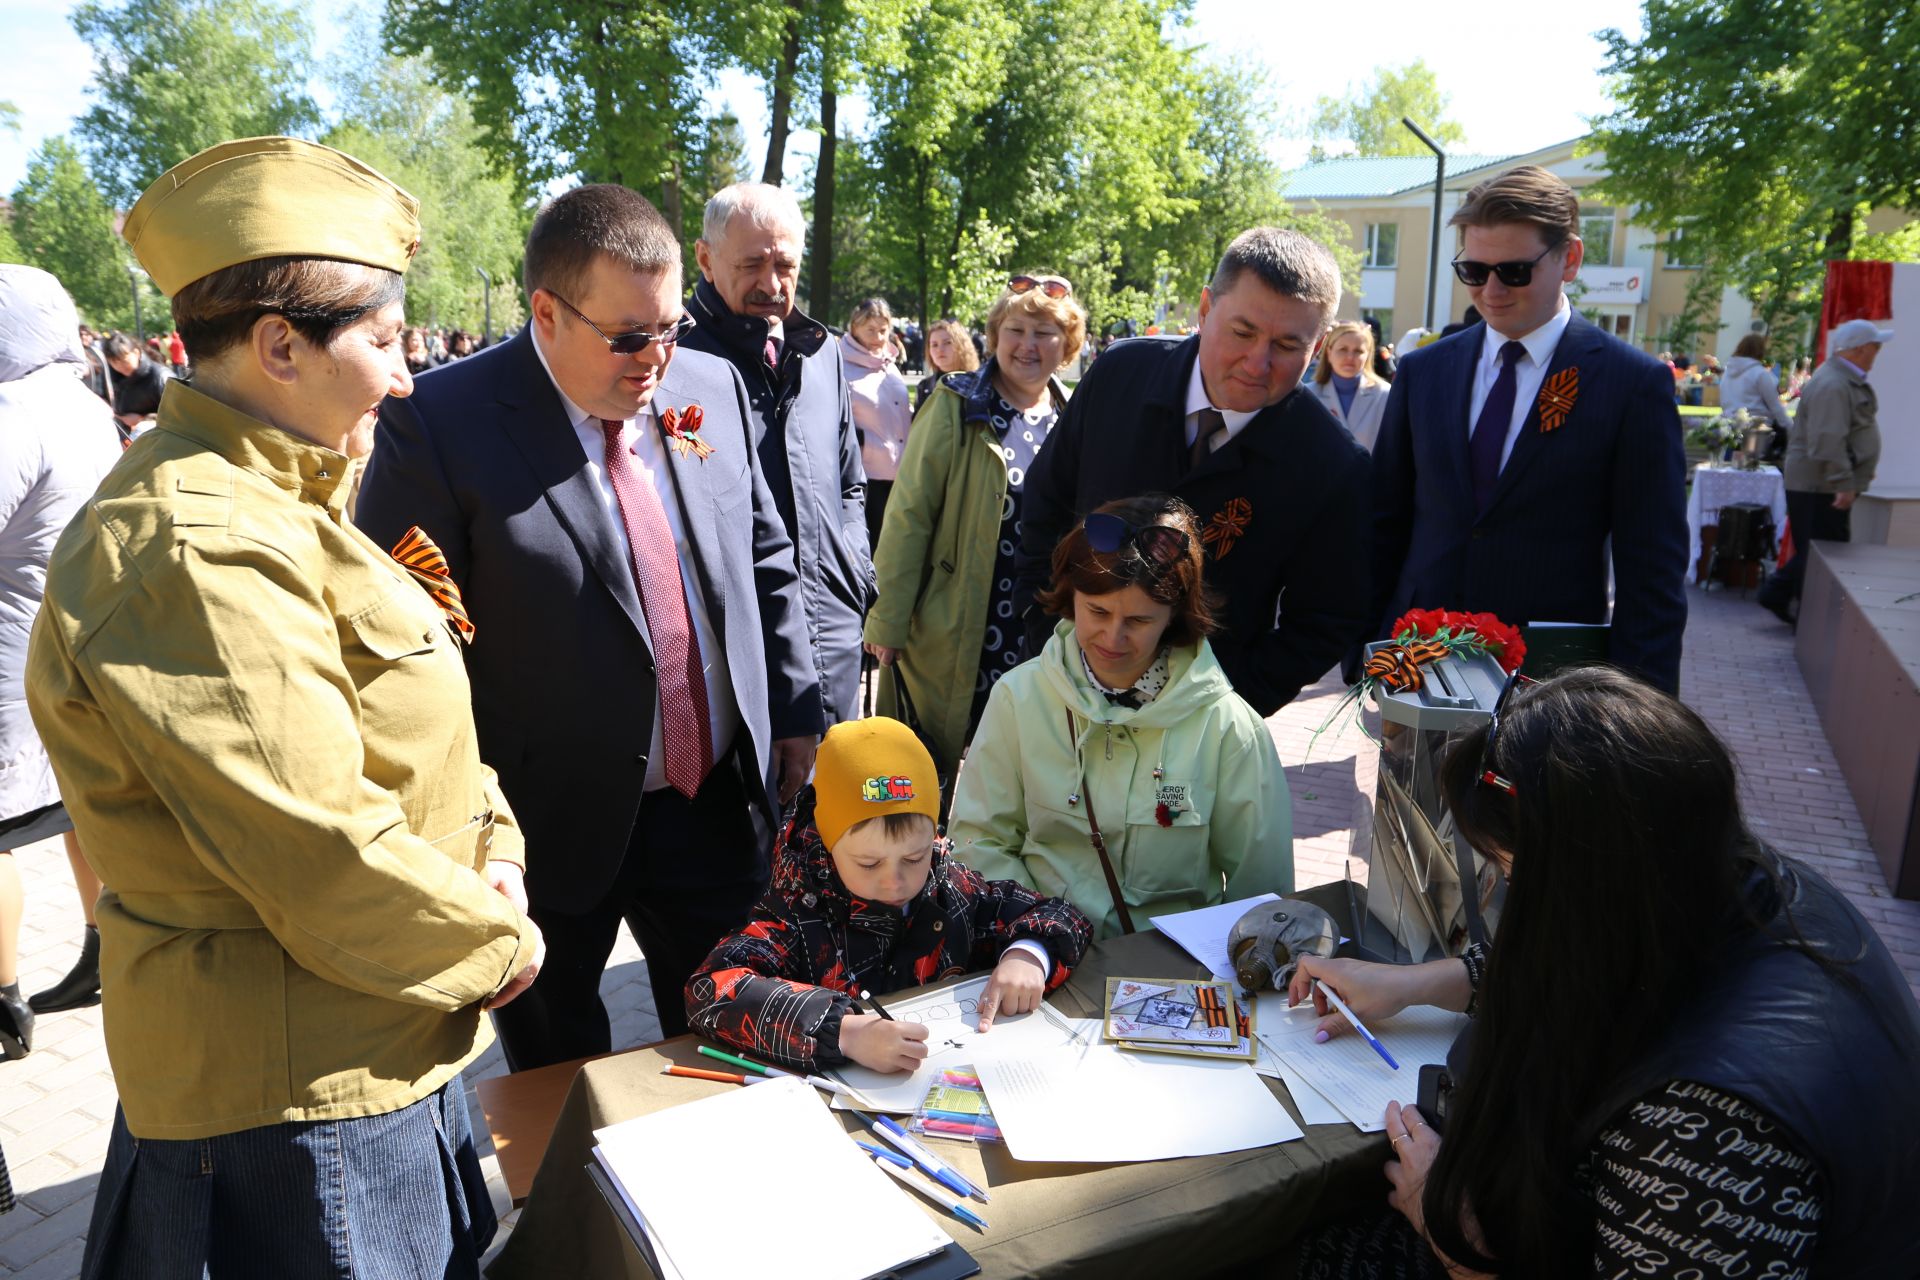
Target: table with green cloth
1192,1216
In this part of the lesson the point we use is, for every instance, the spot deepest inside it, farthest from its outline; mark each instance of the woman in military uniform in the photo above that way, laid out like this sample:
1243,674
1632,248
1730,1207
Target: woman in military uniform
261,723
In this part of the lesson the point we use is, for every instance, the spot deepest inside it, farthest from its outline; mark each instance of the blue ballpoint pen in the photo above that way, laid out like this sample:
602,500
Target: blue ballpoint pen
1347,1013
927,1162
932,1193
881,1153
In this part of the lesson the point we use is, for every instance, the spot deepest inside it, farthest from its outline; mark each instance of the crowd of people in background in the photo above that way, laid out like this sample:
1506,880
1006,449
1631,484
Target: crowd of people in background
404,672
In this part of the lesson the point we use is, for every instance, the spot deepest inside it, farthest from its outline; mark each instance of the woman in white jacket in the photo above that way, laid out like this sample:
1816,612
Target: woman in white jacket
57,440
1346,383
1749,384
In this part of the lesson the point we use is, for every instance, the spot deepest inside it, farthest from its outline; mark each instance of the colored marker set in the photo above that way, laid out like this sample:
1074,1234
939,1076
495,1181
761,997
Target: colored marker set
956,1107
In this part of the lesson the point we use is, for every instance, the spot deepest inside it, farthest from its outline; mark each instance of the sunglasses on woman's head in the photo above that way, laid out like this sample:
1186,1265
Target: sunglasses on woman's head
1157,546
1483,773
1514,275
1052,286
634,341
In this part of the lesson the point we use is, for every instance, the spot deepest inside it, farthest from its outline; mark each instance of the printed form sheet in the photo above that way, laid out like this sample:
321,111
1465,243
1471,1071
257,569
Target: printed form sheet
1349,1074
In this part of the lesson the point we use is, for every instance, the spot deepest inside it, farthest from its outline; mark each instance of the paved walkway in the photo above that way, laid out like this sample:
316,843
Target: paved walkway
56,1105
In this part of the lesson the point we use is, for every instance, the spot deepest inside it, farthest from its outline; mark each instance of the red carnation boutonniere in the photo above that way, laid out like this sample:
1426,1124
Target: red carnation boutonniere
1163,814
1557,397
683,431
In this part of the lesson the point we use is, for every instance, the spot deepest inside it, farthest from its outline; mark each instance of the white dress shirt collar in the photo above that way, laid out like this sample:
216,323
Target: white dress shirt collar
1539,344
1197,400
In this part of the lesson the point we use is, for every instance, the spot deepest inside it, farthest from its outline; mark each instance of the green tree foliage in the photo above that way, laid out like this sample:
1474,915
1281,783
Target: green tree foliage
397,120
1765,130
64,225
1368,118
10,250
172,77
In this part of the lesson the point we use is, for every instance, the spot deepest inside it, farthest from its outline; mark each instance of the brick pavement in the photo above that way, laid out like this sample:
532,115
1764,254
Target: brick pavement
1739,672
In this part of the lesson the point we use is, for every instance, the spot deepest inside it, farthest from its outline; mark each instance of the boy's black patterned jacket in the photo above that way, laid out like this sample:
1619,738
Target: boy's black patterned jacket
780,985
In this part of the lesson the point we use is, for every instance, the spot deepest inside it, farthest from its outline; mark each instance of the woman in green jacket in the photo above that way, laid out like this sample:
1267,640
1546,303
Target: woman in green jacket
1125,726
943,625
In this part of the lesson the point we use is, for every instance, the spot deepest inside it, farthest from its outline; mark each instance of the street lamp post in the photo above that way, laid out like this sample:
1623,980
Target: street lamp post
1439,191
486,296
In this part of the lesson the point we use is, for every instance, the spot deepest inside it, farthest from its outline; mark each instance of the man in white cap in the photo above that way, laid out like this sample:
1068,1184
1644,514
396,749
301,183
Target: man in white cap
1831,454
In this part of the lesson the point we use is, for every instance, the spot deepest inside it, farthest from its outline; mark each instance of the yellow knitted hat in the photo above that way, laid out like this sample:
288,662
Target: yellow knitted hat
867,769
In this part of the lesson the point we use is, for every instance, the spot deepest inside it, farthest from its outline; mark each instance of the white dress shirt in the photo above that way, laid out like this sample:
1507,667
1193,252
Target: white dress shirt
650,457
1197,400
1528,372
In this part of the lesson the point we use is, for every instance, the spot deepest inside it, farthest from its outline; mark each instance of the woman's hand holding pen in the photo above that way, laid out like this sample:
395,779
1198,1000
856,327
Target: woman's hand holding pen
882,1044
1377,991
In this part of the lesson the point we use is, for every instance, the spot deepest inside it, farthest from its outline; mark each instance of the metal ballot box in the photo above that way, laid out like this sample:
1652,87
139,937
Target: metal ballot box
1415,909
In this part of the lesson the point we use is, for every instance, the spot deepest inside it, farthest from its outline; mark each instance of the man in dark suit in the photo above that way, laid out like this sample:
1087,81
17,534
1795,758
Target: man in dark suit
749,254
1219,420
641,671
1515,454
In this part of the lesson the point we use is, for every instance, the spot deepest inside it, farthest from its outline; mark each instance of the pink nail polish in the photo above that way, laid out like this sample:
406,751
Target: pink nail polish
1319,1037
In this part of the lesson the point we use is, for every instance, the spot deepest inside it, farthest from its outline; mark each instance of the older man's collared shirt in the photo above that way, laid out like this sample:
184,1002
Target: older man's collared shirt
1197,400
650,459
263,732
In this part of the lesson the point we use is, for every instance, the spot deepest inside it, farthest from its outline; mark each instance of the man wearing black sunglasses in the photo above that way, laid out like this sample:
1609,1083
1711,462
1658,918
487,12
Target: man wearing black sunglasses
1218,419
642,674
1524,461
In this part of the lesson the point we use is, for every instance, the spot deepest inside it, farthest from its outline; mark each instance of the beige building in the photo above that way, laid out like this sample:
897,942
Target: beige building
1627,284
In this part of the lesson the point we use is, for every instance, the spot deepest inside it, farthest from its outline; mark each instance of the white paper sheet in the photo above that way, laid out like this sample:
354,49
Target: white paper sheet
689,1205
1203,933
1107,1105
1350,1075
951,1016
1277,1027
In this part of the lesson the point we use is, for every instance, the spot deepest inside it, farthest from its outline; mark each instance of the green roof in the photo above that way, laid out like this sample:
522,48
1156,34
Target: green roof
1359,177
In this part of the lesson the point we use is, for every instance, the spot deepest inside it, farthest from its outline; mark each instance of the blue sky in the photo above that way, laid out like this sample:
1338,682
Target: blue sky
1522,74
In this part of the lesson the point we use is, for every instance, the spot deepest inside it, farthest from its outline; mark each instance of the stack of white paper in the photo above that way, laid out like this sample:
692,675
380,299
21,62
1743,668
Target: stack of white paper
681,1172
1105,1104
1203,933
1350,1075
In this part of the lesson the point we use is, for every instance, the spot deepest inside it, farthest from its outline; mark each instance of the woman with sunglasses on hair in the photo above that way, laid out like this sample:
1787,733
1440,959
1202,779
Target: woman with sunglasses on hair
944,626
1119,770
1689,1054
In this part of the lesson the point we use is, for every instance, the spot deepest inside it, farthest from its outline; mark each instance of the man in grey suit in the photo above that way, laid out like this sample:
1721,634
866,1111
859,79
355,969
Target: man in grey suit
641,668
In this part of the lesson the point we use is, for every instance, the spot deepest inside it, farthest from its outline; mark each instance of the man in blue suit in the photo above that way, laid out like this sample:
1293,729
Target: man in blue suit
642,675
1516,455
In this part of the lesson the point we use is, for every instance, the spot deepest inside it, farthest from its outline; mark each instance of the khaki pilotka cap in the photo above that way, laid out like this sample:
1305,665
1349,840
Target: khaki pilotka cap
269,198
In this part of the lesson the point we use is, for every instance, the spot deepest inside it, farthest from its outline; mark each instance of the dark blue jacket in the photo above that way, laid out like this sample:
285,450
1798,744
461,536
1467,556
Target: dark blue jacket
483,458
1611,475
803,428
1283,507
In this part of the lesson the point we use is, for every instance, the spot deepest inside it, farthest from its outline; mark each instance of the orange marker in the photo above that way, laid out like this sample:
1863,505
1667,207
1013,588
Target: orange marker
700,1073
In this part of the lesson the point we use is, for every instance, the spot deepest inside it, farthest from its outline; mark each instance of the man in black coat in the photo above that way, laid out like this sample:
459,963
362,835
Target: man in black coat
743,306
1523,461
1218,419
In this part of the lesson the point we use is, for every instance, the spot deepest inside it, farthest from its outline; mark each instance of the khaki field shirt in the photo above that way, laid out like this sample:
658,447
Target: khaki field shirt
262,728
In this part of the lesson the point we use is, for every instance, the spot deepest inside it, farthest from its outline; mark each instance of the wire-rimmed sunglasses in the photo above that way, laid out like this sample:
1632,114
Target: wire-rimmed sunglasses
634,341
1484,773
1158,547
1514,275
1053,286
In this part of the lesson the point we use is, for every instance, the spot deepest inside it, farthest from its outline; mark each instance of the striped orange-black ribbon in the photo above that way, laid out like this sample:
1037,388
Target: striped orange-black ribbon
419,556
1214,1009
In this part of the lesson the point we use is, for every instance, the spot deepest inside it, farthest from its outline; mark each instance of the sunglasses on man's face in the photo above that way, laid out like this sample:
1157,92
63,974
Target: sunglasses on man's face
634,341
1157,546
1514,275
1052,286
1484,773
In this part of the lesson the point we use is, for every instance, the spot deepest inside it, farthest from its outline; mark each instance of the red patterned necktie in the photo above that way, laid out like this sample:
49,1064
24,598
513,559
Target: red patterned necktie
419,556
685,727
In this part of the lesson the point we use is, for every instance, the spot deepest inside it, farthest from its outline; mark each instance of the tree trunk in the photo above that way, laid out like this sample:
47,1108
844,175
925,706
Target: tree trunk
606,108
1840,235
777,127
920,242
820,295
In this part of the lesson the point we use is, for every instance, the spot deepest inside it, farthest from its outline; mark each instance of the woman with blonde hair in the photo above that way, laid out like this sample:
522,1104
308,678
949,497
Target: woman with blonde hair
949,350
1346,383
879,397
943,627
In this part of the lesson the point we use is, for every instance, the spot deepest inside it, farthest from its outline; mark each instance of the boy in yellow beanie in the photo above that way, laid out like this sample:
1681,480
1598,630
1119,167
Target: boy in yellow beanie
866,896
